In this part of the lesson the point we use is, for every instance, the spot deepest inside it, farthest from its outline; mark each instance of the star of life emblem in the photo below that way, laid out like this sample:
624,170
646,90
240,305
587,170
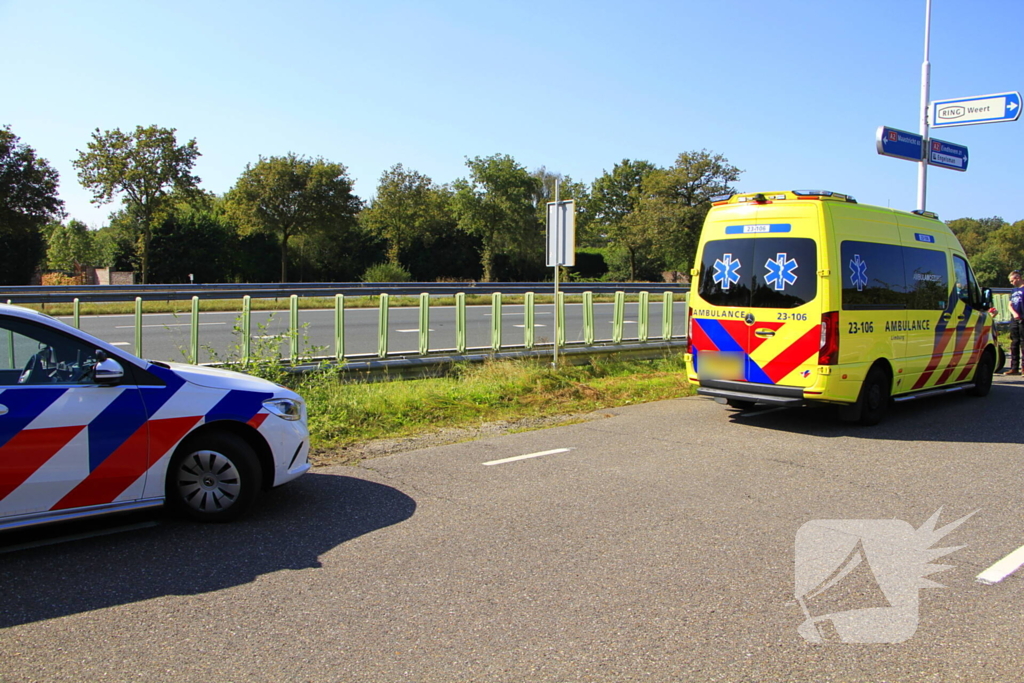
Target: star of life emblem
727,271
780,272
858,273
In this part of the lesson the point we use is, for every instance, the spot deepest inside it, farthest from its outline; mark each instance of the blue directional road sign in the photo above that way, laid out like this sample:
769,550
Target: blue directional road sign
947,154
966,111
899,143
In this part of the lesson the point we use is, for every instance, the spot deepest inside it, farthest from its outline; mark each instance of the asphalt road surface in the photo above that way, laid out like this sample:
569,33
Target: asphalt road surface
659,542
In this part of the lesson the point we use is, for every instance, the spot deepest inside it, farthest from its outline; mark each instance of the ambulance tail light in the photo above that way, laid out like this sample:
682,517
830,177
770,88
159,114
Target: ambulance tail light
828,352
689,334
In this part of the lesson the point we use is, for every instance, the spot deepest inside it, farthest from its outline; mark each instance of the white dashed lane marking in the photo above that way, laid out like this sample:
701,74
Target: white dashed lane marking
528,455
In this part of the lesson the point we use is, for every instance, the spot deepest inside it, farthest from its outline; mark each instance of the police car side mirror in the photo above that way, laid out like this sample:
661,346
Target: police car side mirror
108,371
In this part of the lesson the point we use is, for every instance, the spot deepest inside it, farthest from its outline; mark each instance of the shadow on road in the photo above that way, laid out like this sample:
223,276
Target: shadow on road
994,419
290,529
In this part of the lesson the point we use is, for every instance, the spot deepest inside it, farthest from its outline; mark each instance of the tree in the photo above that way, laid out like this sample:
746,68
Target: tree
497,204
144,167
675,201
69,246
612,201
292,195
28,199
408,206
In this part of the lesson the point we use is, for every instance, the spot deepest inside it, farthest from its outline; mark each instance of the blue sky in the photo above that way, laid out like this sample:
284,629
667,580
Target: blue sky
791,91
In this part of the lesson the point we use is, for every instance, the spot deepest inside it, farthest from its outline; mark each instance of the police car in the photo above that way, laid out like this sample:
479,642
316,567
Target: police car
87,429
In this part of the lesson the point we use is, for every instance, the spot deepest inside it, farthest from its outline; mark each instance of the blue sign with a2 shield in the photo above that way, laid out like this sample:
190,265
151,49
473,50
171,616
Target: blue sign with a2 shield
947,155
899,143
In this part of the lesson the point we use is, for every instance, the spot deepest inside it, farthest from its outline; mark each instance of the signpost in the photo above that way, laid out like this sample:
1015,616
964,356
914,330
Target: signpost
561,247
893,142
966,111
947,155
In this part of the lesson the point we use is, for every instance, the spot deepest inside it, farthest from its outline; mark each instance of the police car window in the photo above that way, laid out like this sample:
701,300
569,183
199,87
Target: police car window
33,355
927,280
873,276
762,272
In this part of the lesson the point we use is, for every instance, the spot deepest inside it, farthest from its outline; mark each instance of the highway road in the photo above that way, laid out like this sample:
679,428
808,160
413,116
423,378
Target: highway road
166,336
660,542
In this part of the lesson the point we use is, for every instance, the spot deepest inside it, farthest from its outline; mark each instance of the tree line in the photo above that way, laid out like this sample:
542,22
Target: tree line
295,218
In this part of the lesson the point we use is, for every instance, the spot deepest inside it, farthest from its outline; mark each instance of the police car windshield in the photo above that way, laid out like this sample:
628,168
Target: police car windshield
759,272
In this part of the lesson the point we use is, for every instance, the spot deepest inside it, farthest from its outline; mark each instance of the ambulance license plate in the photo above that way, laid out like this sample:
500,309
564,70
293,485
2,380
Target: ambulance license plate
716,365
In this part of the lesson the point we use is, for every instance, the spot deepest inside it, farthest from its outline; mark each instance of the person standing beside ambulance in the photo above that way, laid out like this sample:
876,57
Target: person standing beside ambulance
1016,322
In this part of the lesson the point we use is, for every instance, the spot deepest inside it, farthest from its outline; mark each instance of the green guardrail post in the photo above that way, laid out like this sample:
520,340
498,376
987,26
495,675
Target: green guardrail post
460,322
528,320
339,327
424,323
496,321
666,316
644,318
560,333
10,350
618,317
382,327
77,313
588,318
293,328
195,330
246,329
138,326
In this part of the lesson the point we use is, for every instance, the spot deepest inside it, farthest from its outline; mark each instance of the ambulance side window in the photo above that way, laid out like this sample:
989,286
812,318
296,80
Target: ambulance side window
927,280
874,276
967,289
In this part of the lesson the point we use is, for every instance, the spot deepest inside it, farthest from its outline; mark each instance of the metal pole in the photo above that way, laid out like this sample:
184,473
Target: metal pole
926,69
554,359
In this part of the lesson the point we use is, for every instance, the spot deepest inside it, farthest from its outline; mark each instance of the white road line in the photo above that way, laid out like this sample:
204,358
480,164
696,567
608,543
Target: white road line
1003,568
120,343
528,455
129,327
523,326
416,330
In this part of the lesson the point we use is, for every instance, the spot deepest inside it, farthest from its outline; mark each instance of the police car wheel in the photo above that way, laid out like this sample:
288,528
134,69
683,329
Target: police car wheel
213,477
874,397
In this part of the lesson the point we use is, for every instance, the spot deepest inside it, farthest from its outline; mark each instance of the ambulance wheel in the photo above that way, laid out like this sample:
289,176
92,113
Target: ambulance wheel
874,397
983,375
213,477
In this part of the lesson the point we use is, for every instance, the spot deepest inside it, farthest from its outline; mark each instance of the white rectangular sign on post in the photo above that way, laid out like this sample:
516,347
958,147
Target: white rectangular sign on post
561,248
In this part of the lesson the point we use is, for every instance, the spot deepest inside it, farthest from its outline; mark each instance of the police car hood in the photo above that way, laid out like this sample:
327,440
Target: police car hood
217,378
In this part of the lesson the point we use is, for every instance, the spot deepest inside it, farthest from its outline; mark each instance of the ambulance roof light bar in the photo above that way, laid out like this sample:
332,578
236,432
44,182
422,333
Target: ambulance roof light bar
926,214
822,194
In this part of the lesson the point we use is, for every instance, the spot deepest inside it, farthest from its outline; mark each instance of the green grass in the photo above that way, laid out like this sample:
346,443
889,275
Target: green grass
343,414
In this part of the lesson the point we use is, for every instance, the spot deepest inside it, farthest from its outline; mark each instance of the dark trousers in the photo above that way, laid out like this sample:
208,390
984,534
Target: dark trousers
1016,331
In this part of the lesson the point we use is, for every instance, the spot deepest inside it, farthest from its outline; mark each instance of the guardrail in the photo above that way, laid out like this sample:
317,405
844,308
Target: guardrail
290,343
110,293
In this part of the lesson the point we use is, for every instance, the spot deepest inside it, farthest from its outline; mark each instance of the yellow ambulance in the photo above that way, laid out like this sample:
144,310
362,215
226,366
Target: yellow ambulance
807,296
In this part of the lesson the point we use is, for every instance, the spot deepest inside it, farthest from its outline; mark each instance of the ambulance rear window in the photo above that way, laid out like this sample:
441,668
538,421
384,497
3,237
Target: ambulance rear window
759,272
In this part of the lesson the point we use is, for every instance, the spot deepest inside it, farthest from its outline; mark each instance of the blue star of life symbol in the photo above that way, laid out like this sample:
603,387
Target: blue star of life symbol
780,272
858,273
727,271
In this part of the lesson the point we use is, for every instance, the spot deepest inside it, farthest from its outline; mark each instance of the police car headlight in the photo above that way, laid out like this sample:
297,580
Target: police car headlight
286,408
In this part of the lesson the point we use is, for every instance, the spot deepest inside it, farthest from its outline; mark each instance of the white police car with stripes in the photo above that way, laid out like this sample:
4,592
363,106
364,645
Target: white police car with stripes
87,429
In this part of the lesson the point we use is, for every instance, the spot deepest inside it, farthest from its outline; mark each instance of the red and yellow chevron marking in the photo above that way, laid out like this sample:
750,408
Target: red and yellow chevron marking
961,336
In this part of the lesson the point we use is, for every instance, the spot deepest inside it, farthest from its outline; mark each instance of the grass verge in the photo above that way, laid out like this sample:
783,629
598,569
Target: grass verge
342,414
